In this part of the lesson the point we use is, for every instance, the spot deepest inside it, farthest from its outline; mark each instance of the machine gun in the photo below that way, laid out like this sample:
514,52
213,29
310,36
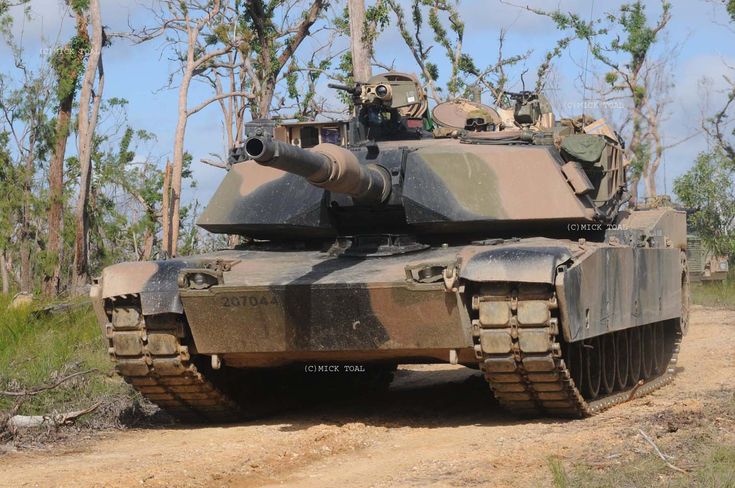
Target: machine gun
388,104
531,108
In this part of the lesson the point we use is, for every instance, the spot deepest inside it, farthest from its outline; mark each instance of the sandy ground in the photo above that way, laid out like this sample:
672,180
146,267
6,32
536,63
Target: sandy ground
437,426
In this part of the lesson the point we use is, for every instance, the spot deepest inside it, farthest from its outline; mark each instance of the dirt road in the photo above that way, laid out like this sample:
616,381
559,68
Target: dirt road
436,427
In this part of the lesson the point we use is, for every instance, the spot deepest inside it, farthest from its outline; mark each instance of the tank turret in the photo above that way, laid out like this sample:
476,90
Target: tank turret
326,166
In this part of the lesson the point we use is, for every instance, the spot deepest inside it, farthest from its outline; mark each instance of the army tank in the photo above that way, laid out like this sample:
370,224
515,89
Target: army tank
502,240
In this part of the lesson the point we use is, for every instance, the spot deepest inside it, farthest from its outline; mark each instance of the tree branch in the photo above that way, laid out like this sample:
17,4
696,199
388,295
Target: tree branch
41,389
220,96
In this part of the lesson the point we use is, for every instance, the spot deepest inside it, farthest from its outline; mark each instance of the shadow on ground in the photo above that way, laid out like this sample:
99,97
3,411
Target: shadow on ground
430,397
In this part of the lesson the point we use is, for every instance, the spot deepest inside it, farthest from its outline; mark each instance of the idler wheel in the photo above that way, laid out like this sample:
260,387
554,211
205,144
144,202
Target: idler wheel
592,368
635,350
607,342
649,346
659,335
622,352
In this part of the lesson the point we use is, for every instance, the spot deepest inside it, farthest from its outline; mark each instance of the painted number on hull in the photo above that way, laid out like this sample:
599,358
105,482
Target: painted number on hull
248,301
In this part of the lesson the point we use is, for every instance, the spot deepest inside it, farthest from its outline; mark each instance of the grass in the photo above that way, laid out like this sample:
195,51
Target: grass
37,351
644,472
715,294
700,448
715,469
719,468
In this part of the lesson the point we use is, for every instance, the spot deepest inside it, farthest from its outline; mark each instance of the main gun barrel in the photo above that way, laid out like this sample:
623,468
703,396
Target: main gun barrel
327,166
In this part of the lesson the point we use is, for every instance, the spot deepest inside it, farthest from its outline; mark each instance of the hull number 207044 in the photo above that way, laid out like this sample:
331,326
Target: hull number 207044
248,301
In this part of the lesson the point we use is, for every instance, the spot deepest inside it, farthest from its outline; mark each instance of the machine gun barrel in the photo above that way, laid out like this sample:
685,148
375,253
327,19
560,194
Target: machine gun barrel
353,90
327,166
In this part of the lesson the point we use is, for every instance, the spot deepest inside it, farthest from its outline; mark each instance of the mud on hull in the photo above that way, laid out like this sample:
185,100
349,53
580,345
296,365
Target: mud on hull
557,327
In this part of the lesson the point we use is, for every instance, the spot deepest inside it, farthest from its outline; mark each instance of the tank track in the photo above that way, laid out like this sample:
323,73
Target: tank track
151,354
517,341
532,372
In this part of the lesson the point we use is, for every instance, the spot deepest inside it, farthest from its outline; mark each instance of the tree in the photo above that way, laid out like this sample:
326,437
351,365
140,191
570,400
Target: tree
201,34
205,37
24,124
275,43
89,105
68,64
416,44
447,27
8,207
125,190
708,190
715,127
623,46
360,46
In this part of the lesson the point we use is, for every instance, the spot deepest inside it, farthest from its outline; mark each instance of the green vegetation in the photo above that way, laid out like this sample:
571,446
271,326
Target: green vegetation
627,44
703,449
714,294
39,351
715,467
708,189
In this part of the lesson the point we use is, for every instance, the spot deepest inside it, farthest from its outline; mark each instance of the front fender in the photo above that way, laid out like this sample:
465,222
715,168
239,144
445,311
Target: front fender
154,281
519,264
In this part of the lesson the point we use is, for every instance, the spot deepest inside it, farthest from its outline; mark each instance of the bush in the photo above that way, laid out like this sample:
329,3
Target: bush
37,350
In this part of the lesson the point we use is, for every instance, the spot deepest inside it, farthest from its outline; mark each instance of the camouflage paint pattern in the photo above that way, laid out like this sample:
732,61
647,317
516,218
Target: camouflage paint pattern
267,302
270,305
444,187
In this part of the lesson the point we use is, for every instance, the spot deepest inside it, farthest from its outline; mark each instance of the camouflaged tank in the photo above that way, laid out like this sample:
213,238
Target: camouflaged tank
495,239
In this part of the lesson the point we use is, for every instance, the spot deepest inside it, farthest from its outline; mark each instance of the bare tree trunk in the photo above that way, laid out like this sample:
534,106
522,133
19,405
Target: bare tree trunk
166,209
655,135
649,178
636,140
26,281
12,270
265,100
649,183
55,244
4,273
149,240
361,65
56,198
172,240
89,102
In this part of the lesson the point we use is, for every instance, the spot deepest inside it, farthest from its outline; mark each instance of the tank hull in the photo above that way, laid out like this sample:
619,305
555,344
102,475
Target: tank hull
490,304
307,302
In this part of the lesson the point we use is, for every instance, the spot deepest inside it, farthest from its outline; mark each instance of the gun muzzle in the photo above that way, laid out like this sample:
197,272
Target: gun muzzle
327,166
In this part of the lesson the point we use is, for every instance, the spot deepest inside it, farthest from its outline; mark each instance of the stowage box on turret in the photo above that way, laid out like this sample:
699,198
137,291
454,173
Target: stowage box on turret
496,239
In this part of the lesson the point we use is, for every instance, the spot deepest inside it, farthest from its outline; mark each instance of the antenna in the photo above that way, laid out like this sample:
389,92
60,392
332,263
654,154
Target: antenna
523,83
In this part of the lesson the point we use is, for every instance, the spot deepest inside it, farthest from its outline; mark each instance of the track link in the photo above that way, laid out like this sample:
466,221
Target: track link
150,353
518,344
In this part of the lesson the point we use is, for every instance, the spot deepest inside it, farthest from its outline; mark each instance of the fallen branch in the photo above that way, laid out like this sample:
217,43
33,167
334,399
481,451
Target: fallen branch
55,420
36,391
661,454
59,308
